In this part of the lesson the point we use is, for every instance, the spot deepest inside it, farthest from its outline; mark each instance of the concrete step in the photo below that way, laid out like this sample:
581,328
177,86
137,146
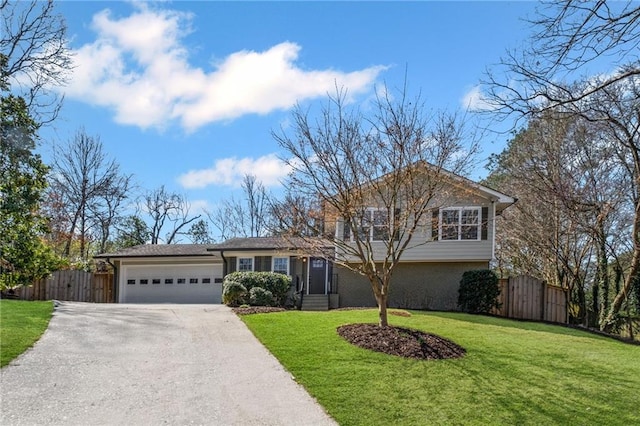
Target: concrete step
315,302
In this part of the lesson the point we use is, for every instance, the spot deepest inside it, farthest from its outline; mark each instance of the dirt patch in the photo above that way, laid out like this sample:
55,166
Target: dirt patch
400,341
256,310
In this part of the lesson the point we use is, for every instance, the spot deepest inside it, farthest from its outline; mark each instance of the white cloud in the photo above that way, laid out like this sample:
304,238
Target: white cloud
474,100
146,78
268,169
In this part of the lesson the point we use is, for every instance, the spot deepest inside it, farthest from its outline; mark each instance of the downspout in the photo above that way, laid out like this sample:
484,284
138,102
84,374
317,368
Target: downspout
115,280
224,262
493,232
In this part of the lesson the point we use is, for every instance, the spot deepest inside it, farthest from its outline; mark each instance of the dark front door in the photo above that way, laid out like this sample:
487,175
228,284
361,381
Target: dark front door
317,275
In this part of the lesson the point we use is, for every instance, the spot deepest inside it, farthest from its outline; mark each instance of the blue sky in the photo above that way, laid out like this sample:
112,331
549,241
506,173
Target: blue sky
185,94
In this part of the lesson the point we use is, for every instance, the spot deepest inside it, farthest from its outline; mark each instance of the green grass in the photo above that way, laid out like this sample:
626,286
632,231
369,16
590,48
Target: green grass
21,325
514,372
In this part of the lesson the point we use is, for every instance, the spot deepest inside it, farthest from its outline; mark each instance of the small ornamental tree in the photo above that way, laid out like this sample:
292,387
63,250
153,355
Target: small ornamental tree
479,291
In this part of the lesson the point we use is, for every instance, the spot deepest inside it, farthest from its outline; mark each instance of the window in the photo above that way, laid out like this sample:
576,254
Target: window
168,280
131,281
374,225
155,281
144,281
281,265
193,281
245,264
460,223
181,280
206,281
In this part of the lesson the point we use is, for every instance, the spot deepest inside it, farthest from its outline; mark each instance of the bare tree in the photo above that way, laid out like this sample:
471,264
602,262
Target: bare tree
394,159
33,44
167,211
570,36
297,216
245,217
572,195
89,188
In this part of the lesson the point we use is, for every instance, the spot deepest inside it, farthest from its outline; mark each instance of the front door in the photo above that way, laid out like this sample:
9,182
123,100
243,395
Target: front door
317,275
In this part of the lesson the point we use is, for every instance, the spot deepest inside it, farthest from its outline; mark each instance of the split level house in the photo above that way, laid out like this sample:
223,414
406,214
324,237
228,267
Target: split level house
457,235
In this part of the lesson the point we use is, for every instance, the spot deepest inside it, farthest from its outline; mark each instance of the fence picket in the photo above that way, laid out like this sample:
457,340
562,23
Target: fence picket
525,297
79,286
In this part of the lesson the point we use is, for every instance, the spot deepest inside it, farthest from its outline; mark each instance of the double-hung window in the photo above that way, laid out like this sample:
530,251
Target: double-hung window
460,223
374,225
245,264
281,265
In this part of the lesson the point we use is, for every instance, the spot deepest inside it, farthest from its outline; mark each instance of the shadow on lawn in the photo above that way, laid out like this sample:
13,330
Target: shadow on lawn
562,329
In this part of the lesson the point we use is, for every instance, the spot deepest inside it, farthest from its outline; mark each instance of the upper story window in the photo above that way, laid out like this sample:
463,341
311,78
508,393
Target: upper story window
460,223
281,265
375,225
245,264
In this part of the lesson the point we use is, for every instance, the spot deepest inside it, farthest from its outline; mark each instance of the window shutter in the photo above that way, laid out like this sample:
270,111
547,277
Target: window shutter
231,264
434,224
292,265
396,225
262,264
485,223
346,229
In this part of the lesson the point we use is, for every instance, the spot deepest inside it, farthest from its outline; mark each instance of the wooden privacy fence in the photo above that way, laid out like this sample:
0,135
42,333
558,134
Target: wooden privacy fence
529,298
76,286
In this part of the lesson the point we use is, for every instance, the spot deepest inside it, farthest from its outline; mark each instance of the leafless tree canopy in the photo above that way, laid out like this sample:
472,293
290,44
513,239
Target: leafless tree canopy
569,36
572,37
394,158
248,216
87,193
169,214
33,43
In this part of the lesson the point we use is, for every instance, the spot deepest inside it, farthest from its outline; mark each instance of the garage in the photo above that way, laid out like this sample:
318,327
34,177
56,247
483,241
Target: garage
166,273
171,283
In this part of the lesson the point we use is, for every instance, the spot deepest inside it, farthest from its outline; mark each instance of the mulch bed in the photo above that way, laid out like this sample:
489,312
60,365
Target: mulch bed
256,310
400,341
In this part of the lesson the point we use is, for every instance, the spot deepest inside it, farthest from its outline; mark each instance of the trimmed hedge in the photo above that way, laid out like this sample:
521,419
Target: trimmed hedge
233,293
258,296
277,284
479,291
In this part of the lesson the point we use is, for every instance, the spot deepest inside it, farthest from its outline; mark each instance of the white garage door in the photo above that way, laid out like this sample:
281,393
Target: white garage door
172,284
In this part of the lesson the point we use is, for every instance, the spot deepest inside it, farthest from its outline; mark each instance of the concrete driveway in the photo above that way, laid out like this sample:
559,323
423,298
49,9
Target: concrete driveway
151,364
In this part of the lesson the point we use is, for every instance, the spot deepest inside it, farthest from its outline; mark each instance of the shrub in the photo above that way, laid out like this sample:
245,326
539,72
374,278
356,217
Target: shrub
233,293
258,296
277,284
479,291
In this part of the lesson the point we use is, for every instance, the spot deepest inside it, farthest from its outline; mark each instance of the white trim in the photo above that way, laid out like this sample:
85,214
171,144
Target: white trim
253,263
273,262
460,209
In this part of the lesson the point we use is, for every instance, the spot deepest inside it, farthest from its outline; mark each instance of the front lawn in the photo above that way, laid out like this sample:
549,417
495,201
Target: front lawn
513,372
21,325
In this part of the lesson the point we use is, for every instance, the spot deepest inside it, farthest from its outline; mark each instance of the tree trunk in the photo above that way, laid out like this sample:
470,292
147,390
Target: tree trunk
609,322
382,310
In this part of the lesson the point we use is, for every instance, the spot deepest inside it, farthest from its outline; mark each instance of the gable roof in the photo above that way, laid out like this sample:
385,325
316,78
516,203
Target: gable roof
160,250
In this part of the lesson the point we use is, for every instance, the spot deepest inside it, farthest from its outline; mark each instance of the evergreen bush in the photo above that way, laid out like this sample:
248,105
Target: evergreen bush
233,293
258,296
479,291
